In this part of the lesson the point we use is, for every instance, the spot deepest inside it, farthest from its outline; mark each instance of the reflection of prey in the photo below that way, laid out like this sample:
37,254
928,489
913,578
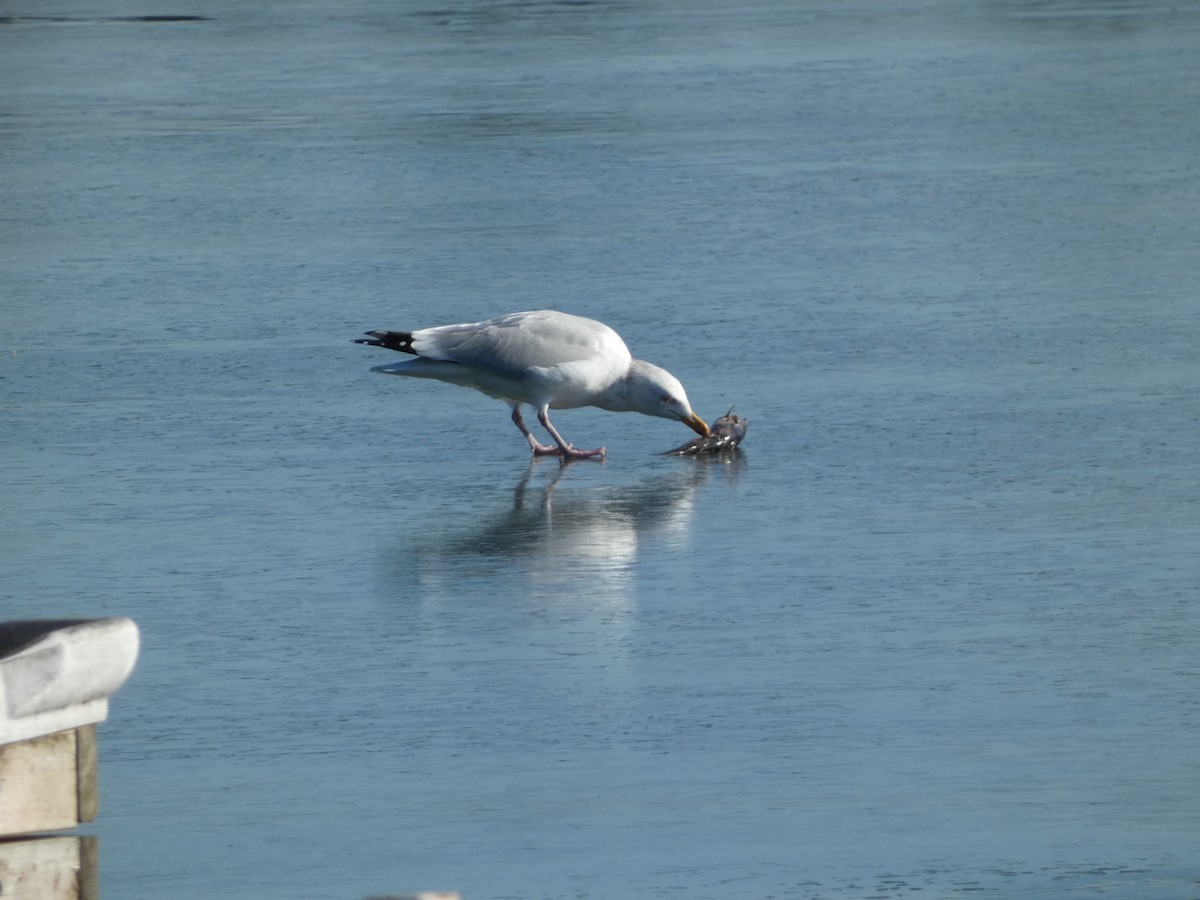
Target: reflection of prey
568,537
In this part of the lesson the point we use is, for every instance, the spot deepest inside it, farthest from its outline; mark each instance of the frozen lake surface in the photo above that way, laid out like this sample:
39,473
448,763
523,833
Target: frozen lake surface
934,632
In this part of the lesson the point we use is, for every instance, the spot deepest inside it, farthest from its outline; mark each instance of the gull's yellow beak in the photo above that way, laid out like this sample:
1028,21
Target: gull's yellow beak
697,424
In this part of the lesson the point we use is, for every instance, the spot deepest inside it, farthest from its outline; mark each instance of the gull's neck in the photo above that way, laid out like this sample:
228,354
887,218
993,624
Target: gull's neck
622,394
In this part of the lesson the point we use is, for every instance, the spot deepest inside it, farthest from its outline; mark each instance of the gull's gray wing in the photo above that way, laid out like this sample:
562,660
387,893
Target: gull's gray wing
509,346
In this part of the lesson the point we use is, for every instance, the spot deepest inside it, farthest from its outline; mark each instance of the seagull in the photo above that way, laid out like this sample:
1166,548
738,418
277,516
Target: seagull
544,358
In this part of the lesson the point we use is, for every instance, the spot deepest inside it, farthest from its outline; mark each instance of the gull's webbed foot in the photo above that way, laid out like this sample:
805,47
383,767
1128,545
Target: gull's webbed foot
570,452
564,449
566,453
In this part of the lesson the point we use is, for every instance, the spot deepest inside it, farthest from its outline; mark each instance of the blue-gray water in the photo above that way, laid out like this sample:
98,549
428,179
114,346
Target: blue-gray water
935,633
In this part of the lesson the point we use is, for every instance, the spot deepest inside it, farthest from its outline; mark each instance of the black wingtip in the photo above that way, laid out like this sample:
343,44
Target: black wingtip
391,340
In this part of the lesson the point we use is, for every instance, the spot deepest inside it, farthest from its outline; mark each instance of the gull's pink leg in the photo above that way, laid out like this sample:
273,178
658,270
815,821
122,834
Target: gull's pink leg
567,451
538,449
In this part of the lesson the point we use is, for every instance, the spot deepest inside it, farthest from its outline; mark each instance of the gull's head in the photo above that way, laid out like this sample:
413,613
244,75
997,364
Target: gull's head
656,392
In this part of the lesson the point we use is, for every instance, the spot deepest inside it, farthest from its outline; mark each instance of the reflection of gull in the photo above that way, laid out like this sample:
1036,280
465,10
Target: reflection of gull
548,359
563,536
568,538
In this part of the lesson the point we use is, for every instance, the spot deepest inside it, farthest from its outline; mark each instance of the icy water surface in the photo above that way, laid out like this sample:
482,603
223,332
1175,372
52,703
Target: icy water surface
933,633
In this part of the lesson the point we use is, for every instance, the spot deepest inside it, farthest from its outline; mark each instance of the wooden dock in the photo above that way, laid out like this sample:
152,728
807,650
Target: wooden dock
55,680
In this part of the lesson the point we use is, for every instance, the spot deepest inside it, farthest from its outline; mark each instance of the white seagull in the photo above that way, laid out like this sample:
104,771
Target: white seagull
548,359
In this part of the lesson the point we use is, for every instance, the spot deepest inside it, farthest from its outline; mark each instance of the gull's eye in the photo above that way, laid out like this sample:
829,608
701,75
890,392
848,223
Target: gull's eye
668,400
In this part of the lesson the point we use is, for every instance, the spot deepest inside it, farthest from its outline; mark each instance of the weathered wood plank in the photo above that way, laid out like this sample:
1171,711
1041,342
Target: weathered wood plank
87,769
49,868
40,782
89,867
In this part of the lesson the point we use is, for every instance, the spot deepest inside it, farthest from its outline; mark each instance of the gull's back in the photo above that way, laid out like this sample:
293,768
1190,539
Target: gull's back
512,345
